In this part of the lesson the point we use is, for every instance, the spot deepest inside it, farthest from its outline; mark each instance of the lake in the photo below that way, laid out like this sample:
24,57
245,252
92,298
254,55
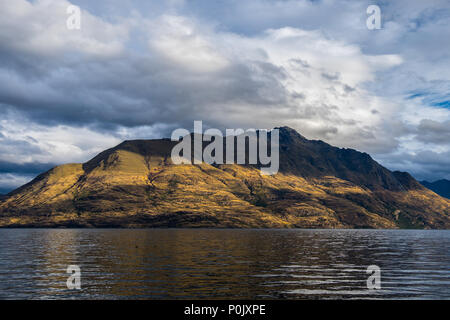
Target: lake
224,263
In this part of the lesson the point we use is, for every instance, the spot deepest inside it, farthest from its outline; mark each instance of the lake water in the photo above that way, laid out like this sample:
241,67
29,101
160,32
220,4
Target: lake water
227,264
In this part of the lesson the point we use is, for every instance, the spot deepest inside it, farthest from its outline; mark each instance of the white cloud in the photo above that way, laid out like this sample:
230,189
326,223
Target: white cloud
22,141
43,30
177,39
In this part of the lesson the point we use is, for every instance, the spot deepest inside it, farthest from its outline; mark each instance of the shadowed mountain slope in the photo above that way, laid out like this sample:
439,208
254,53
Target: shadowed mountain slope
135,184
441,187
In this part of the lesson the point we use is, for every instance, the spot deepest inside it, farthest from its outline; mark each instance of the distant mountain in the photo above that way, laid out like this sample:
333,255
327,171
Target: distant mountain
441,187
135,184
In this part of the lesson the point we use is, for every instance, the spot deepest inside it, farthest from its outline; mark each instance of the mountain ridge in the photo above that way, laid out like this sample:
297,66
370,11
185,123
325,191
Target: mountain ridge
135,184
441,187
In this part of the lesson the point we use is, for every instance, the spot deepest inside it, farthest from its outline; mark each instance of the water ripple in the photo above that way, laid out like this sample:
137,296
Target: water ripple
228,264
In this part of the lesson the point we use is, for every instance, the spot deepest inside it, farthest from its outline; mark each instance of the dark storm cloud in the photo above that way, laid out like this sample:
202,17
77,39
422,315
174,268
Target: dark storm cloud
12,175
426,165
133,91
9,147
25,168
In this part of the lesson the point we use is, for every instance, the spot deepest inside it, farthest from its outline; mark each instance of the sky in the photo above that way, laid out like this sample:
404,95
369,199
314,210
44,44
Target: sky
140,69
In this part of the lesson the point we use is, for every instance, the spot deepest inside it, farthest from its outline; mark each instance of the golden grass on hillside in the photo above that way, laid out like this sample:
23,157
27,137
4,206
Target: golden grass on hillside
132,190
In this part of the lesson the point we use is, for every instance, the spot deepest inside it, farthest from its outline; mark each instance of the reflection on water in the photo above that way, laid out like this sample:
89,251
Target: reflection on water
227,264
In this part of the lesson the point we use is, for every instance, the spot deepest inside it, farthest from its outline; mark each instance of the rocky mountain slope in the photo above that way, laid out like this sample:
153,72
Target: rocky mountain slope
441,187
135,184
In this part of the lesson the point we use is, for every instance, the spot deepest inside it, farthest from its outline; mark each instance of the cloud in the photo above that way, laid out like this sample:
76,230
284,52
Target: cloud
9,182
177,39
430,131
140,69
41,31
426,165
24,141
28,148
193,71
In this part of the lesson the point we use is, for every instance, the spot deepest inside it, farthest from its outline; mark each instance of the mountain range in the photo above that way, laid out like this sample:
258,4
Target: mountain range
135,184
441,187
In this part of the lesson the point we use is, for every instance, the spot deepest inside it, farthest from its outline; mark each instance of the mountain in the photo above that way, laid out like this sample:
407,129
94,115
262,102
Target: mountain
441,187
135,184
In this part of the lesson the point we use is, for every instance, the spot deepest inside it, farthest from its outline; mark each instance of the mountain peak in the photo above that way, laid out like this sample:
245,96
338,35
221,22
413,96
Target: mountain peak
289,133
135,184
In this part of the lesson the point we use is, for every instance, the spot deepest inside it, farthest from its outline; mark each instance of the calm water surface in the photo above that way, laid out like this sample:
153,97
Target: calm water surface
227,264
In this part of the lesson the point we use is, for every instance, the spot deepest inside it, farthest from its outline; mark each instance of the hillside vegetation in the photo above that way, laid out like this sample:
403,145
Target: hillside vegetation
136,185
